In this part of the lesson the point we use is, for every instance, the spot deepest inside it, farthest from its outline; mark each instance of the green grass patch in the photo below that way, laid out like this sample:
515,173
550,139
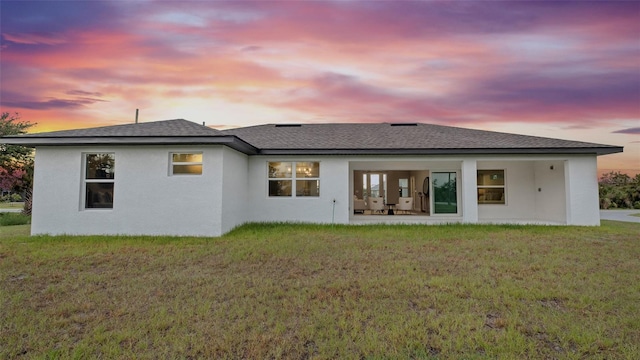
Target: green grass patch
311,291
8,219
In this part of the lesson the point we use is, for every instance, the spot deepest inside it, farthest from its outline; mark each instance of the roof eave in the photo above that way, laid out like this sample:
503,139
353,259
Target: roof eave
238,144
231,141
501,151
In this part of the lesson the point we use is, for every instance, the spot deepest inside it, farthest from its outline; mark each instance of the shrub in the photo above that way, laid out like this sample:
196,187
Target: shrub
14,197
8,219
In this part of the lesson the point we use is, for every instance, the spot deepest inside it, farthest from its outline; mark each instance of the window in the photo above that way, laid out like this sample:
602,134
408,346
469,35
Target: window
99,180
303,182
280,176
307,179
403,187
491,187
375,185
186,163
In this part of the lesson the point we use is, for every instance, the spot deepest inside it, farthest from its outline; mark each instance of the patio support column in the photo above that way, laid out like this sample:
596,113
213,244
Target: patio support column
581,191
469,191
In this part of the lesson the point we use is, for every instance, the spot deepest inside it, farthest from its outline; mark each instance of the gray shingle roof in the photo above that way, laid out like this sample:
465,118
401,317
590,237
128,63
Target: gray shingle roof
167,132
408,138
176,127
380,138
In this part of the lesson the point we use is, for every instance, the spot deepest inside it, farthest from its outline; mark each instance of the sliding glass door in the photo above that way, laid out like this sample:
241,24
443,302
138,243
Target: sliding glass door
445,195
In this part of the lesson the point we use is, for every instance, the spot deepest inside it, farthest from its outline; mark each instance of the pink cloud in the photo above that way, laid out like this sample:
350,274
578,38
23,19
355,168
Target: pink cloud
463,63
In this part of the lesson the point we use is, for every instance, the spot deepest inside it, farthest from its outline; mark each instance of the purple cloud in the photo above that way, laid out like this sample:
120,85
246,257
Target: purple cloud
83,93
634,131
534,93
51,104
20,101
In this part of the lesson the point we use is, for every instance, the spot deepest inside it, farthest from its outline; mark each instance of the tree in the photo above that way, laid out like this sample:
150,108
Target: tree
11,181
618,190
615,178
16,162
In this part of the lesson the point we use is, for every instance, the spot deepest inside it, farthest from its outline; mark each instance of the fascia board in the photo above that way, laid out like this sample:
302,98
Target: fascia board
229,140
503,151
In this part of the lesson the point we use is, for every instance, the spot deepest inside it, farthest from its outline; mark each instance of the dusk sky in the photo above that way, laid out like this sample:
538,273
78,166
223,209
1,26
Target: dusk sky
567,70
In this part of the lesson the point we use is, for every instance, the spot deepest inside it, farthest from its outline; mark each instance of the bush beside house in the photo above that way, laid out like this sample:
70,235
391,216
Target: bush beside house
10,198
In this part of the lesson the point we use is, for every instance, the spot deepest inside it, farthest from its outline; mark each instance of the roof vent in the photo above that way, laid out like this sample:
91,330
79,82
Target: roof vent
288,125
404,124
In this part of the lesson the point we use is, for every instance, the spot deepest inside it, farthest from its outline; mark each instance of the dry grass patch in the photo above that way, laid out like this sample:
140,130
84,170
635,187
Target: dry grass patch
304,291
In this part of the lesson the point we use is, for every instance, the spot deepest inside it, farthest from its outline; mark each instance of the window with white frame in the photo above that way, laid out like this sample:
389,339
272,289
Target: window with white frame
294,179
491,187
184,163
99,179
403,187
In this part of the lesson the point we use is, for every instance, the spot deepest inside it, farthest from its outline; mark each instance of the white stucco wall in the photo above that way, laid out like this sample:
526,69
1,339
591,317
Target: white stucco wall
520,191
550,199
235,189
581,177
334,184
548,189
146,199
469,197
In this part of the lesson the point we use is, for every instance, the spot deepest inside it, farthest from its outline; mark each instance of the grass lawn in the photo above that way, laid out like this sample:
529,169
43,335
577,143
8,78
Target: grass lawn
11,205
12,218
305,291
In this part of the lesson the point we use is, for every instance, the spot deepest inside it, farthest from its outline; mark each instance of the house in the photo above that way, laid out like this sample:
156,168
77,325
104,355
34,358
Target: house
177,177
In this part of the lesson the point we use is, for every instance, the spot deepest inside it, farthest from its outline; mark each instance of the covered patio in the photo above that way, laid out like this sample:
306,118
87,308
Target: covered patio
445,190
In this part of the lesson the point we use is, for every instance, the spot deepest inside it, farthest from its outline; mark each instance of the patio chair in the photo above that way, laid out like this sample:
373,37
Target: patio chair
405,204
359,205
376,204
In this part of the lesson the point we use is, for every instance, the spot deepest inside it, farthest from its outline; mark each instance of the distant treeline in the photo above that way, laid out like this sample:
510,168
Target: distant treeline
619,191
